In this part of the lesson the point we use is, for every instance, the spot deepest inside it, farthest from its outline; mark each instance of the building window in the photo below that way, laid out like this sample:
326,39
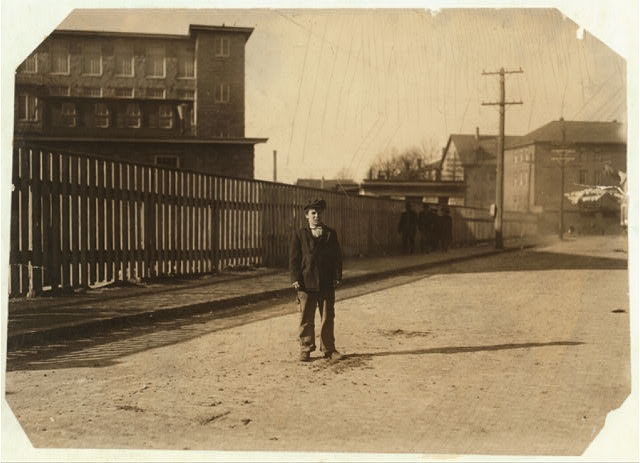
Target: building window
597,177
155,93
133,116
154,62
124,93
223,47
102,115
582,177
59,59
31,64
165,116
186,94
123,58
92,60
92,92
59,91
168,161
186,65
222,93
69,115
27,107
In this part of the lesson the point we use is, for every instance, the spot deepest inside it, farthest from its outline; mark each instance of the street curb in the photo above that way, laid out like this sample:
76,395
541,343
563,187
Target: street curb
86,329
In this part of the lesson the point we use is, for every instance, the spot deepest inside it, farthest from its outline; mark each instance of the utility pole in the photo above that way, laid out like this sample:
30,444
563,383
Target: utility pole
562,159
500,152
275,166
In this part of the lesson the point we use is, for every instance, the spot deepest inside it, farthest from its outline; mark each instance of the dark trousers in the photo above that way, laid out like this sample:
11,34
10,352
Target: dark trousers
425,242
325,301
408,242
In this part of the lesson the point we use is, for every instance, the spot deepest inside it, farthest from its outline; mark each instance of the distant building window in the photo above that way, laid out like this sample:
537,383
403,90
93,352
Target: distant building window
582,177
69,115
155,93
27,107
154,62
31,64
92,92
59,59
165,116
186,65
168,161
123,58
222,93
223,47
186,94
124,93
583,157
133,116
59,91
102,115
597,177
92,60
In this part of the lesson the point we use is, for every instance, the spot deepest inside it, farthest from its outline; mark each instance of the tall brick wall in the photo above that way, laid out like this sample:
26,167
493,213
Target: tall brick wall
215,119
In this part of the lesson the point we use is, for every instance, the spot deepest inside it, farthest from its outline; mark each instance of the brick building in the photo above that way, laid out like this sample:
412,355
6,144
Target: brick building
173,100
533,171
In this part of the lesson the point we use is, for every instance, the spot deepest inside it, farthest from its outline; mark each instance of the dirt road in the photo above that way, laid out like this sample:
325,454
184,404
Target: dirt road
520,354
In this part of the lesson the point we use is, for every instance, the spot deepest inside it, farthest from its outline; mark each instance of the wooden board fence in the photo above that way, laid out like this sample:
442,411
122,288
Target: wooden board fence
80,220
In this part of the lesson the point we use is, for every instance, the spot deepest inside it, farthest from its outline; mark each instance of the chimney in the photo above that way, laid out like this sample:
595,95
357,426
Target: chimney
477,133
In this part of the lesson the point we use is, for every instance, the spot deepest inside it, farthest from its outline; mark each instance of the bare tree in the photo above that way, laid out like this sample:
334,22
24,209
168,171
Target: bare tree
413,163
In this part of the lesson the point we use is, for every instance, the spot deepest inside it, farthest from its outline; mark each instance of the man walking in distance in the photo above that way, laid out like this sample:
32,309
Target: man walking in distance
407,227
424,227
315,266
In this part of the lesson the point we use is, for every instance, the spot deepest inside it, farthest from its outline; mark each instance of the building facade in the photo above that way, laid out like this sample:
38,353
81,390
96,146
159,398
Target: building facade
172,100
471,158
561,157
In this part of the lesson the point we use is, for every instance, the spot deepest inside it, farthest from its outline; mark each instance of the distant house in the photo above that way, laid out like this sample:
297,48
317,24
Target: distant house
472,159
170,100
590,152
340,185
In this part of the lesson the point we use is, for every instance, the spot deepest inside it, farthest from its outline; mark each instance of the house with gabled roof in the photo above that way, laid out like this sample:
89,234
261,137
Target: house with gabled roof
471,158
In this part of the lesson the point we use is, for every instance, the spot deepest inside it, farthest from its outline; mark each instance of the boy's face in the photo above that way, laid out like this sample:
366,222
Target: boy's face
314,216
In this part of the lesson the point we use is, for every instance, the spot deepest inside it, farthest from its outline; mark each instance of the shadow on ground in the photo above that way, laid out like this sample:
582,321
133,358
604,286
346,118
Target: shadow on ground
532,260
465,349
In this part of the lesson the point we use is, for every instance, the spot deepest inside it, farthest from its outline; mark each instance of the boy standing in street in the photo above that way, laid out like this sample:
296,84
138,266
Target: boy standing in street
315,266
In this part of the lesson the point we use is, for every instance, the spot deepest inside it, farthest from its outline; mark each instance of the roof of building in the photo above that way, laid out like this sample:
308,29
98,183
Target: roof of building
192,27
329,184
185,140
575,132
471,150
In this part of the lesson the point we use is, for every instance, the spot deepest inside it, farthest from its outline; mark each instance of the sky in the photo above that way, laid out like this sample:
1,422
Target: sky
334,89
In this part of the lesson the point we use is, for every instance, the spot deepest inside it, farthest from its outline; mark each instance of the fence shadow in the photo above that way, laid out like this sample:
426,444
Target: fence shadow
532,260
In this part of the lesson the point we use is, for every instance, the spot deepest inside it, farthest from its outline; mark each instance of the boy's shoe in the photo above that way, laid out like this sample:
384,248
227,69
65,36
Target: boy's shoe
305,356
335,355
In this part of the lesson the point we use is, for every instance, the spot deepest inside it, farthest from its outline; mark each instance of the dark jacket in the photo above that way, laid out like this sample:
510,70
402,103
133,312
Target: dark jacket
315,262
408,223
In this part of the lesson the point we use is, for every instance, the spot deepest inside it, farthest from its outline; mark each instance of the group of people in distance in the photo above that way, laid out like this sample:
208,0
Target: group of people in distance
433,224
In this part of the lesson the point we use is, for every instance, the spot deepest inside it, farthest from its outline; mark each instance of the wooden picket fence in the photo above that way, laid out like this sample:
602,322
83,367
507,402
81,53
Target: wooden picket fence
79,220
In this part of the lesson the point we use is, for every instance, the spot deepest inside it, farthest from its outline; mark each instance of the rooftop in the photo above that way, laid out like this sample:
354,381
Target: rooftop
575,132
